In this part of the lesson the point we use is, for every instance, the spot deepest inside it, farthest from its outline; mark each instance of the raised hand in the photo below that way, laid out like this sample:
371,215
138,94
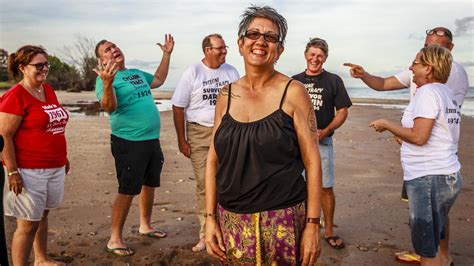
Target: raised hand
106,71
168,46
356,71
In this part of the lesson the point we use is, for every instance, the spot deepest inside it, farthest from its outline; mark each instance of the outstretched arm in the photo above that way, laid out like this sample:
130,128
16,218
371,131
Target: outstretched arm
375,82
418,135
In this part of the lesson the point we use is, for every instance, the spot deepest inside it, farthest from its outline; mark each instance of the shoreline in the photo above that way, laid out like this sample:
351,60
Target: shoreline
370,217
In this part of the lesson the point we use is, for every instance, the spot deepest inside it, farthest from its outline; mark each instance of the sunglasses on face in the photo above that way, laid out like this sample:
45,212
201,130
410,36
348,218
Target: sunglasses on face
255,35
40,66
219,48
414,63
439,33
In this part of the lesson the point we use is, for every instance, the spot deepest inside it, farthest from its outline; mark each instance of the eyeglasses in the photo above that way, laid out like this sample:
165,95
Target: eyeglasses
414,63
440,32
219,48
269,37
40,66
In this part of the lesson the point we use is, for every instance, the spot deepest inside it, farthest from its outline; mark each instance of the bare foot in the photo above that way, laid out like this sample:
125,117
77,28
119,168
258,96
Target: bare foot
200,246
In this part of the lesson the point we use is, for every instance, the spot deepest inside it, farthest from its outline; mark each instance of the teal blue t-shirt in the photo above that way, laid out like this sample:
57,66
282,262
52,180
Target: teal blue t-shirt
136,117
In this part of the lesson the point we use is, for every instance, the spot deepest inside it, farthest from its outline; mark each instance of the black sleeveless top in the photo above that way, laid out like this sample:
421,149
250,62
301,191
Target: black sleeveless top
259,163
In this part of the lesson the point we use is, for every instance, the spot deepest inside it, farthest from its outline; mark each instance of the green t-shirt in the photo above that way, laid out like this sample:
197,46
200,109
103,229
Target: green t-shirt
136,117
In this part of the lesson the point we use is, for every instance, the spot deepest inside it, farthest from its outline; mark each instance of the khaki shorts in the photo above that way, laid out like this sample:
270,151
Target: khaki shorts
43,189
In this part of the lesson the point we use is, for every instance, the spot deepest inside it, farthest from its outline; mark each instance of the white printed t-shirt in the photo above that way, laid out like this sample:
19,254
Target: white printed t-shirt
198,88
438,155
457,81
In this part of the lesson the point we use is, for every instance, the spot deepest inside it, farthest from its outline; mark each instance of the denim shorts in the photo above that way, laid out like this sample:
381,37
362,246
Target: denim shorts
327,161
431,198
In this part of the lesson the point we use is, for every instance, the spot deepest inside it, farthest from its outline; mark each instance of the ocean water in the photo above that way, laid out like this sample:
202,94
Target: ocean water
367,93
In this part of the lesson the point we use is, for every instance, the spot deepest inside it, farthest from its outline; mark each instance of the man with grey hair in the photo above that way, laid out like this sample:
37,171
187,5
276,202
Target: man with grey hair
330,103
125,93
193,102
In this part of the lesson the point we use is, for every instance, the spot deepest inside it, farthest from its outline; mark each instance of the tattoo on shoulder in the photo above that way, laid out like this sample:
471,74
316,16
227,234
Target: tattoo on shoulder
312,123
225,92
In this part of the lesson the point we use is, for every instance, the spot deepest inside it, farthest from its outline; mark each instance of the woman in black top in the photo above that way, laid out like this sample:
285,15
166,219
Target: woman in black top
260,210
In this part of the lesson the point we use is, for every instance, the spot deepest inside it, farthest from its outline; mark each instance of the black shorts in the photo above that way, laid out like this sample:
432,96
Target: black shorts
137,163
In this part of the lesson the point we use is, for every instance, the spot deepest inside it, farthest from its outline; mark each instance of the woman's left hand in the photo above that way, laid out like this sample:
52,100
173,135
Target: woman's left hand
310,247
378,125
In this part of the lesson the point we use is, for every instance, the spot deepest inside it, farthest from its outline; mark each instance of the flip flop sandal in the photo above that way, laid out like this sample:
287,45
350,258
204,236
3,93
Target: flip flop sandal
334,239
157,233
113,251
407,257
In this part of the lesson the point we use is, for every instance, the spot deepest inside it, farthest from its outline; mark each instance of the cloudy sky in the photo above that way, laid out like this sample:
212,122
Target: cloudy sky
381,35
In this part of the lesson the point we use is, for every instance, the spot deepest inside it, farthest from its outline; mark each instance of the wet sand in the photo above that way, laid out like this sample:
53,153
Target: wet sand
369,214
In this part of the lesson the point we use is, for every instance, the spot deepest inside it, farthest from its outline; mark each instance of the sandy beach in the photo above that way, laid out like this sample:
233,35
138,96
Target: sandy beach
370,216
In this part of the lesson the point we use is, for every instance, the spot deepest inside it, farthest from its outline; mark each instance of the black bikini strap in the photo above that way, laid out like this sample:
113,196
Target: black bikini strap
228,99
284,93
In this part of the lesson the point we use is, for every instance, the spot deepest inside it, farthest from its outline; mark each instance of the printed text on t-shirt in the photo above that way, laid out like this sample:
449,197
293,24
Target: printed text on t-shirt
57,118
211,89
315,95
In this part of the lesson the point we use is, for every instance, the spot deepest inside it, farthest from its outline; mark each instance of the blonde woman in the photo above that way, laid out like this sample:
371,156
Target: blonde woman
430,134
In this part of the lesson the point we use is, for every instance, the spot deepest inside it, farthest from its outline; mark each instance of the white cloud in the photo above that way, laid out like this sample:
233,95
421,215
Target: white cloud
383,36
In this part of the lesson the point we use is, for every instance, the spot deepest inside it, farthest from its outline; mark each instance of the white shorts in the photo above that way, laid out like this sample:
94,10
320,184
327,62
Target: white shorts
43,189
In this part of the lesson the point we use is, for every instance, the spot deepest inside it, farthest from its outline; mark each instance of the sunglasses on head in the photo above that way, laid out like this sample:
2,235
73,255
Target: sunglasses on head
255,35
40,66
440,32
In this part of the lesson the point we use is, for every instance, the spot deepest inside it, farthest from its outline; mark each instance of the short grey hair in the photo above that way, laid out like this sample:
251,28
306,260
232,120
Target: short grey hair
318,43
265,12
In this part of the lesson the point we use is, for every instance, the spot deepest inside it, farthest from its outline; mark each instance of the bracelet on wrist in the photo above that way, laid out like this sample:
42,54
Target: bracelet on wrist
13,173
313,220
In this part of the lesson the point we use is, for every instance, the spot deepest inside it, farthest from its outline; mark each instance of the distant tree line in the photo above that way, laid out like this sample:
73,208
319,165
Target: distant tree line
74,72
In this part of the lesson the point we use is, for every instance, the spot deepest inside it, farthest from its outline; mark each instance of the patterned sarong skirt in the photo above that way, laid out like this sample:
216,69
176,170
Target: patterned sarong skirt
264,238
